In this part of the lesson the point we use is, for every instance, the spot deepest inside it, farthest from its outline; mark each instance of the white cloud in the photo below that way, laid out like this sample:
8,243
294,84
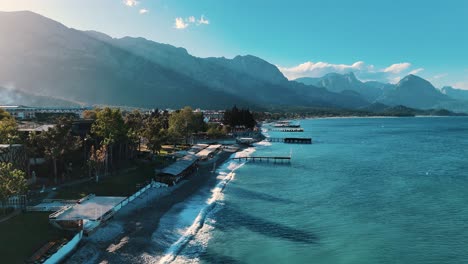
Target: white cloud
143,11
191,19
318,69
461,85
131,3
397,67
180,24
440,76
365,72
416,71
203,21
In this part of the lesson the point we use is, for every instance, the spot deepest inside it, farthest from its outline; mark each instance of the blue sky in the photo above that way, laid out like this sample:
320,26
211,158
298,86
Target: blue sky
379,40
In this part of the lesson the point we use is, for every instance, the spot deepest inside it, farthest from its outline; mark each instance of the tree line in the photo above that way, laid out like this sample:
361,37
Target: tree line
113,136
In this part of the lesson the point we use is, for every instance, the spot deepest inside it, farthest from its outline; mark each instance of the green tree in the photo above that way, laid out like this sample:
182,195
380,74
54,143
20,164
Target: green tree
4,115
155,134
12,181
59,141
185,122
111,129
214,131
135,124
239,117
32,144
8,129
90,114
96,160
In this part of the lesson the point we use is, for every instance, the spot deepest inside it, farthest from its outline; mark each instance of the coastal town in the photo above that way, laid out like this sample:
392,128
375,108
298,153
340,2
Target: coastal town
72,170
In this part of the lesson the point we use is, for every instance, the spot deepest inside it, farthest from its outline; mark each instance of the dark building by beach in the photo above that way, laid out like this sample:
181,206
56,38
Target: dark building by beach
178,170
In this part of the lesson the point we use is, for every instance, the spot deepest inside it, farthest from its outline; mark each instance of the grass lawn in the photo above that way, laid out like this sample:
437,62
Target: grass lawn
24,234
121,184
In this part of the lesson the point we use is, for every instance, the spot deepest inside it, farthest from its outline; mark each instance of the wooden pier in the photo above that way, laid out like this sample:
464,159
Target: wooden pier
287,129
274,159
290,140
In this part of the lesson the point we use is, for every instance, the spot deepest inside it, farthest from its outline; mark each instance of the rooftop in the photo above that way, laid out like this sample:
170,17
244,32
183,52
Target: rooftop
180,165
91,209
208,151
43,128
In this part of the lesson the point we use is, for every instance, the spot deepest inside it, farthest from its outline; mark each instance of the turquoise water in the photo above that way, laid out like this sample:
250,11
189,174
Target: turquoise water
382,190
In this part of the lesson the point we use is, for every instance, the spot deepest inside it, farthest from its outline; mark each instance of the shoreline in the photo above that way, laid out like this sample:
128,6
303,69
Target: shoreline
128,236
364,117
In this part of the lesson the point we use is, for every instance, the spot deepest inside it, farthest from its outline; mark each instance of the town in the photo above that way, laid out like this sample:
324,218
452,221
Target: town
64,172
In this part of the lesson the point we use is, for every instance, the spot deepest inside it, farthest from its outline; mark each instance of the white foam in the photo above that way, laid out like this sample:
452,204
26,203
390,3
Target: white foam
200,230
263,143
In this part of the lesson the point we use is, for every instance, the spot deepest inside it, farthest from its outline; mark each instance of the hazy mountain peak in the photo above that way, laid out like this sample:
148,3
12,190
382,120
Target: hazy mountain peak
415,82
98,35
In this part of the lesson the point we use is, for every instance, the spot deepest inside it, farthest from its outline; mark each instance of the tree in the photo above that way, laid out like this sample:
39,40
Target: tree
90,114
32,145
59,141
239,117
12,181
4,115
8,129
96,160
135,124
214,131
111,129
185,122
155,134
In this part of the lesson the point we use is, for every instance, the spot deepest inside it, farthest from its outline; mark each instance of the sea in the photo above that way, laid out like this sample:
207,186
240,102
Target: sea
368,190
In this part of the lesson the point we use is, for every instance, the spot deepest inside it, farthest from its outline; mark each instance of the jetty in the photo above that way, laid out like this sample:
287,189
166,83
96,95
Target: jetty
274,159
290,140
290,129
286,124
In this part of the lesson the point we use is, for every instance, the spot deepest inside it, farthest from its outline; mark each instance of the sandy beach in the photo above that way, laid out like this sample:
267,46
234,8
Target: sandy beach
128,236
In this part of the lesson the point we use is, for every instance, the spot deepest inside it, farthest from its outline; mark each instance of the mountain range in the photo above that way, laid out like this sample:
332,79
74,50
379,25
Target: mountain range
42,57
411,91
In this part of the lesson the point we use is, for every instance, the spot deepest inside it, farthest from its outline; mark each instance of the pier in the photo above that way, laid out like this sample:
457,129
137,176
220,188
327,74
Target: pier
290,140
275,159
287,129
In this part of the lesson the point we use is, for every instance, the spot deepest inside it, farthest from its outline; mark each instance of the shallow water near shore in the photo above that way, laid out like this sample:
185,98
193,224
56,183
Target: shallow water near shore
380,190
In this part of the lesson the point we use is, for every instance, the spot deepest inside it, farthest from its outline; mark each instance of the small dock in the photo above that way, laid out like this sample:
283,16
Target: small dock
300,129
274,159
290,140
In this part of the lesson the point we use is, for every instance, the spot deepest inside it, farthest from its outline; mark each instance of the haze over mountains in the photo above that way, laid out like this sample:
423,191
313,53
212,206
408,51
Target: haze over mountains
43,57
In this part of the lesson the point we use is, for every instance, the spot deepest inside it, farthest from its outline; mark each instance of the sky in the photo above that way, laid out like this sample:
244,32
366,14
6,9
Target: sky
378,40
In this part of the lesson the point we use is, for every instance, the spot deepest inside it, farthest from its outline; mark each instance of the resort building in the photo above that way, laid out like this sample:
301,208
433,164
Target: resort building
26,112
211,116
208,152
87,214
178,170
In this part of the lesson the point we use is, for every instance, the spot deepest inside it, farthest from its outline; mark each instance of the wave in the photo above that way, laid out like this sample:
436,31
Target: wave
226,173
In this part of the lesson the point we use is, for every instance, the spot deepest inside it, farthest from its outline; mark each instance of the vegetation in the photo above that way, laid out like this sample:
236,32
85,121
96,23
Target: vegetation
239,118
185,122
123,183
8,128
24,234
58,142
12,181
216,131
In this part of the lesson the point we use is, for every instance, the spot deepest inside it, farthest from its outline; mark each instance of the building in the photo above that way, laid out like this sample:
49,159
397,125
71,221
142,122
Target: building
27,112
211,116
88,213
208,152
178,170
